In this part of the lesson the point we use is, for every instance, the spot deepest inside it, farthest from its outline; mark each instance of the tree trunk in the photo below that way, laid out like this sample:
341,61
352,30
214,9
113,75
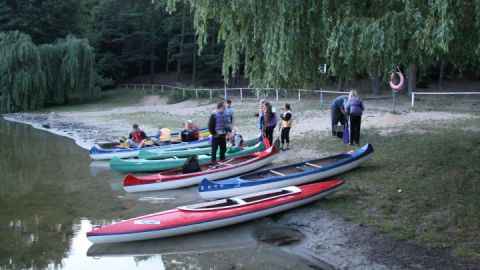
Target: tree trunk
152,43
213,36
194,62
182,37
167,58
375,76
412,78
441,75
341,84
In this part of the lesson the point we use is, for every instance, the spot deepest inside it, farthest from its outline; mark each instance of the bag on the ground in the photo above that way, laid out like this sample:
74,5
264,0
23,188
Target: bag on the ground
191,165
346,134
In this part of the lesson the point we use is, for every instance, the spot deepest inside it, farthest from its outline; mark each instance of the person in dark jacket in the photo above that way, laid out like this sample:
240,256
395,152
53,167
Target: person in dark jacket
339,114
218,126
354,108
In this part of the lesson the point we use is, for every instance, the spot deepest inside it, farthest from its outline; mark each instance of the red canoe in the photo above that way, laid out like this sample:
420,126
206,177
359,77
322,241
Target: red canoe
211,215
213,171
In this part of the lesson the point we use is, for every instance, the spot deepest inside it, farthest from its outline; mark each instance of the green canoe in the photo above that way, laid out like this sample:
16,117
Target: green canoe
180,153
156,165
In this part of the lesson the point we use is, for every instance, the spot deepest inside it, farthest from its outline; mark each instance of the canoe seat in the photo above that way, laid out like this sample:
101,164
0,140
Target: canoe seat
277,173
312,165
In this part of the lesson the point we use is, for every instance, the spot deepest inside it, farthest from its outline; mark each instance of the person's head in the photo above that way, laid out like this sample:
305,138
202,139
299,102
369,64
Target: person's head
353,93
229,103
262,102
286,107
221,106
268,111
134,127
188,123
230,135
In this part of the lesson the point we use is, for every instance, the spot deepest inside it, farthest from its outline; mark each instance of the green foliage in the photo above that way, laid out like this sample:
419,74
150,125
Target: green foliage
22,81
68,66
50,74
282,42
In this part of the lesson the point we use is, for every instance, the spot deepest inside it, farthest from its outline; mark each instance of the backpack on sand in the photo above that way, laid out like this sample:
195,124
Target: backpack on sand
191,165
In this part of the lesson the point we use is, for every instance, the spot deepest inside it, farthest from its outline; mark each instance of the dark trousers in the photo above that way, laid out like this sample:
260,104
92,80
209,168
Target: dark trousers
285,136
219,141
269,133
337,116
355,122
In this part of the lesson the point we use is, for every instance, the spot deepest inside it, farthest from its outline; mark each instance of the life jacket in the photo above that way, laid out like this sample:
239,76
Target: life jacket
288,123
137,136
355,106
271,122
221,122
165,135
193,131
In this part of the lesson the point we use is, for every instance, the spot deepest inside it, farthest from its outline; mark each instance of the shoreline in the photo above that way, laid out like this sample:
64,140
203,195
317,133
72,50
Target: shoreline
329,237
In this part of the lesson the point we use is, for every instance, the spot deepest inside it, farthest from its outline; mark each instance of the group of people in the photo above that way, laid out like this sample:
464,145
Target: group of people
138,138
347,110
344,109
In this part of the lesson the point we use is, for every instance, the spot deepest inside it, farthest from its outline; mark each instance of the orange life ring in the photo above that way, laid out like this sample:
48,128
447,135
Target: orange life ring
399,86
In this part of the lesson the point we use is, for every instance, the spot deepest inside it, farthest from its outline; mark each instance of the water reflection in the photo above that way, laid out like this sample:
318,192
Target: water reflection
49,199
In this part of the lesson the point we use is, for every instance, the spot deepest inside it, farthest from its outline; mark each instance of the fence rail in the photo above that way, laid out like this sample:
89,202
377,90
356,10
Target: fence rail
440,93
240,90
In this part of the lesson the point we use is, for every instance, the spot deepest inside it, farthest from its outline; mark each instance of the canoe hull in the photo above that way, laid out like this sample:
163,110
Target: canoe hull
215,219
207,190
97,153
194,180
144,165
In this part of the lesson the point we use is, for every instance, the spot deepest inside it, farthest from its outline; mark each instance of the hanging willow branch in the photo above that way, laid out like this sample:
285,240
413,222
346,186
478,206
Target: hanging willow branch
22,80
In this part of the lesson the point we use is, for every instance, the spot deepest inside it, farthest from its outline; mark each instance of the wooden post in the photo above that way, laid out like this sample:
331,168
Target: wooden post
162,88
276,94
321,97
299,96
183,93
210,94
258,94
413,99
241,94
196,93
225,93
135,87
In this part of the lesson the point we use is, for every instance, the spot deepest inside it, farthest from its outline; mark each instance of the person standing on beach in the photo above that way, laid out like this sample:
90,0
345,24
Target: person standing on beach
286,117
218,126
338,113
268,122
230,112
354,110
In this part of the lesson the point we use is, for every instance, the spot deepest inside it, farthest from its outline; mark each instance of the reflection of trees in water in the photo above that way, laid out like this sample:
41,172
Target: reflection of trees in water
45,190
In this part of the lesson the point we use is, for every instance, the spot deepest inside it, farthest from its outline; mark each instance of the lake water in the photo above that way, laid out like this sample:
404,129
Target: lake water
51,194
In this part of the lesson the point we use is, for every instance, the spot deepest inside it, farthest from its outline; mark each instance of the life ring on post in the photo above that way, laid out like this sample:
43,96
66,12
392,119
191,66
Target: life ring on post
399,86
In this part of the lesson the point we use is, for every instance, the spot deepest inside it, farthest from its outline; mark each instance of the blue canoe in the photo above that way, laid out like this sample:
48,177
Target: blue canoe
283,176
99,153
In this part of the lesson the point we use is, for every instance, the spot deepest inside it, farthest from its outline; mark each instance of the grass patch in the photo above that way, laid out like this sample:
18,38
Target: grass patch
108,100
424,187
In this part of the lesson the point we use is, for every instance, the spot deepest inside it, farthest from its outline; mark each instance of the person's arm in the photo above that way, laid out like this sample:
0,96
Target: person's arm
211,125
361,103
237,141
287,116
144,136
130,135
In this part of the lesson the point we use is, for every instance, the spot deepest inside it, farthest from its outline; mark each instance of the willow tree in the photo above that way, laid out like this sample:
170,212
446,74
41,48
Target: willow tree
69,72
22,80
284,41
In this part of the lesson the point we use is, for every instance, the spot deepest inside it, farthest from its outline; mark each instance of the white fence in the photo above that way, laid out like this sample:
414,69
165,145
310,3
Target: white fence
440,93
257,92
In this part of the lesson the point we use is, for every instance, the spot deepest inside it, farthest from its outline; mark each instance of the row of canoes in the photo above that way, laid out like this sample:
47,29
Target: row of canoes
248,196
106,151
